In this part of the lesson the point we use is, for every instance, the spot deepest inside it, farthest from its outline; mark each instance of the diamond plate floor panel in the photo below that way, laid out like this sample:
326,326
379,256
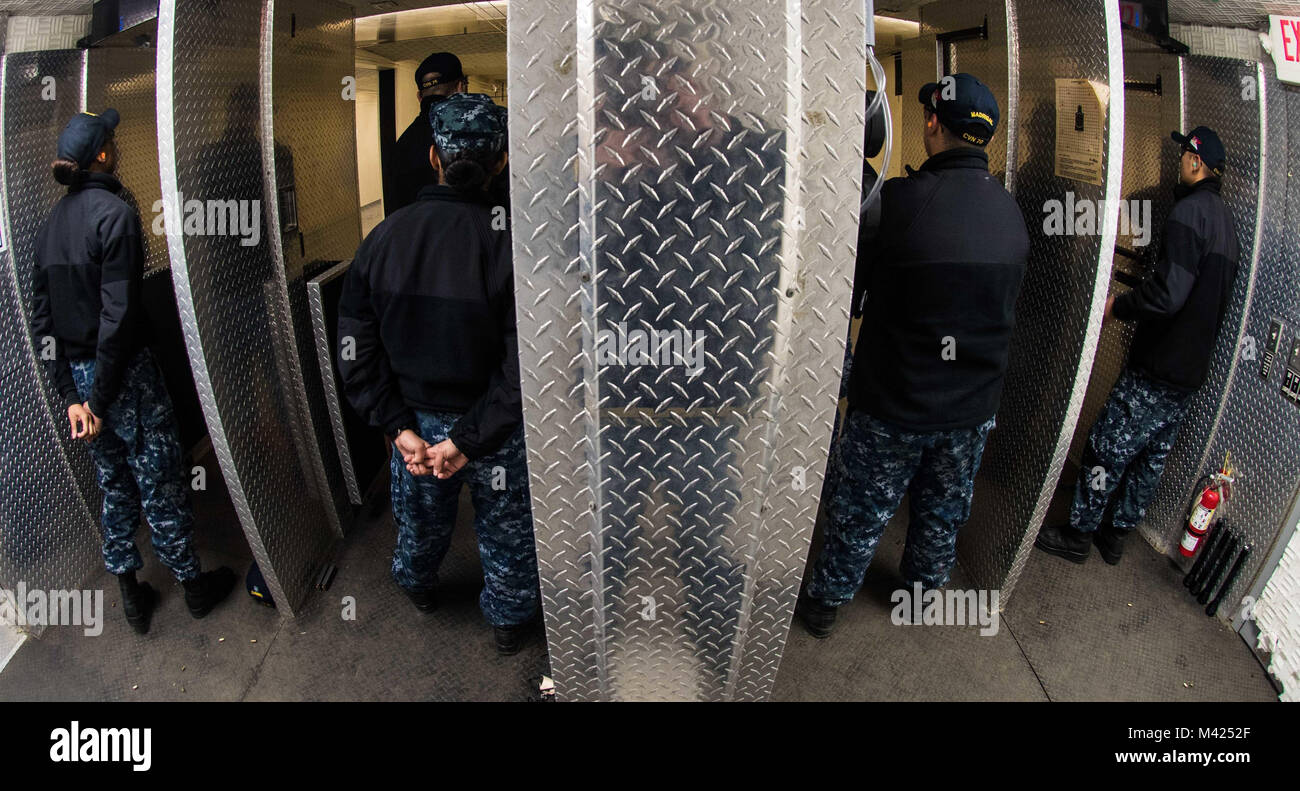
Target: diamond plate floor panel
392,651
180,658
1126,632
1090,646
870,658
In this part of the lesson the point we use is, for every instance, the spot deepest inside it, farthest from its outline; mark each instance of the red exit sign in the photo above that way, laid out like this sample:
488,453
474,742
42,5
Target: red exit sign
1130,13
1283,43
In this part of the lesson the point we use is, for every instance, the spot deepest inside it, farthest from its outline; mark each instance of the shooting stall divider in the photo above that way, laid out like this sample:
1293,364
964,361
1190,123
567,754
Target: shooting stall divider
1058,316
49,504
246,341
688,166
1238,409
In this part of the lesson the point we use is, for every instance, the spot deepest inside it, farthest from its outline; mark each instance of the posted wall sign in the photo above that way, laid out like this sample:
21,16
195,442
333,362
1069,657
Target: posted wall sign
1081,107
1283,43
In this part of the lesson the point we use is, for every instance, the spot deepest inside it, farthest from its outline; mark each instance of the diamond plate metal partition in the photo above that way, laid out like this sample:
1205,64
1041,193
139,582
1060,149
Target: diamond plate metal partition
689,167
1237,409
49,503
987,59
1150,173
1213,96
324,342
309,152
233,297
921,64
123,78
1058,316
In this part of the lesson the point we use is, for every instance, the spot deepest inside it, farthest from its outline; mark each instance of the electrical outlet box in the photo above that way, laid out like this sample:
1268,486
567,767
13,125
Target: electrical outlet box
1270,348
1291,376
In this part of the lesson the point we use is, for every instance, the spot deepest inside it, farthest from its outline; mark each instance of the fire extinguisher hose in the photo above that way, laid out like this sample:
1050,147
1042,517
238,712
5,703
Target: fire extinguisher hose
1211,558
1220,565
1213,607
1198,567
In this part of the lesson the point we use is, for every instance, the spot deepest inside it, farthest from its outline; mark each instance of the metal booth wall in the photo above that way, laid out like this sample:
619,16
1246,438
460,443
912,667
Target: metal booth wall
309,134
988,59
49,504
693,166
1058,316
1150,173
233,295
123,78
1237,409
921,65
1213,96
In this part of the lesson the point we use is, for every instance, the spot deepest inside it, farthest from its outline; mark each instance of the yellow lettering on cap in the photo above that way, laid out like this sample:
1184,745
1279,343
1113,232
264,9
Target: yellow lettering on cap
982,116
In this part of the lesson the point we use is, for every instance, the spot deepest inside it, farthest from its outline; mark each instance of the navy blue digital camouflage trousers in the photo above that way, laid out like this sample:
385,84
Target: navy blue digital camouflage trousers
141,468
1127,449
424,508
873,467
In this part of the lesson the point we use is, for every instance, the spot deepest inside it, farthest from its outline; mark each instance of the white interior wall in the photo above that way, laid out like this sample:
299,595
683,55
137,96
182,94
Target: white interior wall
369,170
1277,616
406,100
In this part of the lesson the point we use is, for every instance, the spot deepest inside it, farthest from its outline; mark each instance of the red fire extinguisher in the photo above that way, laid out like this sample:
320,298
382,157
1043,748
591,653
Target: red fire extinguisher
1202,515
1199,523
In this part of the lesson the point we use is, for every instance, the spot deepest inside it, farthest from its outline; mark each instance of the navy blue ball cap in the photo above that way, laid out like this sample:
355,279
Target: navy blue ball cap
1203,142
440,67
964,105
84,136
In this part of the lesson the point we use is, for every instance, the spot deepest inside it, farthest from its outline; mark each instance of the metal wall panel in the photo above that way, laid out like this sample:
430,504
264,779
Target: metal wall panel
1058,317
309,150
123,78
1150,173
232,297
671,529
324,342
1250,417
921,65
49,502
40,32
1215,98
984,58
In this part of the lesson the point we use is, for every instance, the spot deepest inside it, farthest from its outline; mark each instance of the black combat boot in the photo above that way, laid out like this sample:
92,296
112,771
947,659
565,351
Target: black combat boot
1065,542
207,590
139,600
424,601
510,639
818,618
1110,543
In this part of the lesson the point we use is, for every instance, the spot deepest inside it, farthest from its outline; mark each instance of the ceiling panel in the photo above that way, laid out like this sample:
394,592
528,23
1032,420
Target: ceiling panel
1229,13
479,53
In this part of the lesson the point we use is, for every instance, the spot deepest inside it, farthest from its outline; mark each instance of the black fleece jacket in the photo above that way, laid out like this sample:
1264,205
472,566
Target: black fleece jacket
427,321
86,289
1180,304
941,280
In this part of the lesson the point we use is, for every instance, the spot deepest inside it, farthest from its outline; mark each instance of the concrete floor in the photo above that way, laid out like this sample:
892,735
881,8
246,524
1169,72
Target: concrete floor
1090,632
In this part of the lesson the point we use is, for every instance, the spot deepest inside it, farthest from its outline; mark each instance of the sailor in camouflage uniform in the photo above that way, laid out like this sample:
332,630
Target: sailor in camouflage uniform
1179,308
429,354
940,281
86,300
